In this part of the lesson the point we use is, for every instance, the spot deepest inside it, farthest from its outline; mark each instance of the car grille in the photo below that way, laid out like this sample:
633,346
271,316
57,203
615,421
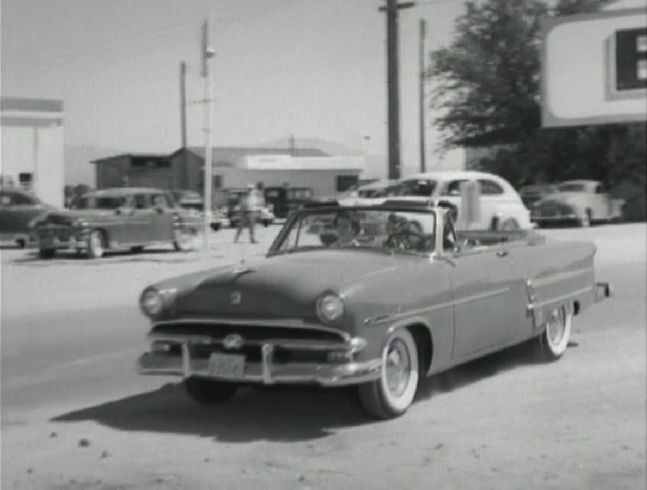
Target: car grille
254,336
251,332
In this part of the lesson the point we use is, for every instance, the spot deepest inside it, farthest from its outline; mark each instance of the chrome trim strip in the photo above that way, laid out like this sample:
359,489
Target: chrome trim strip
267,352
560,298
439,306
560,276
286,323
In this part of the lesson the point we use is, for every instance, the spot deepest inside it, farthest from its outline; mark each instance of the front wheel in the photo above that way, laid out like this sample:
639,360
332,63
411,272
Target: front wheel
46,253
554,340
510,224
585,220
391,395
209,392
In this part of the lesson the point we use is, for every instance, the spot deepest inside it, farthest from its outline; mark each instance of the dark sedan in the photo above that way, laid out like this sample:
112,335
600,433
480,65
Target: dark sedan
119,218
17,209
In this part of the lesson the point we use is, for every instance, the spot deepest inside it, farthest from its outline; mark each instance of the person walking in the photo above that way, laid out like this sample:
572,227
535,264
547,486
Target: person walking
248,205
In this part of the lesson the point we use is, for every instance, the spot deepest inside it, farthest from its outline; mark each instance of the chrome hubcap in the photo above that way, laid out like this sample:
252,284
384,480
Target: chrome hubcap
398,367
556,326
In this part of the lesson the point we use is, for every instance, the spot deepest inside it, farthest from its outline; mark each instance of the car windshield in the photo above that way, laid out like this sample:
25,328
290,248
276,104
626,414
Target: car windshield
571,188
388,230
107,202
415,187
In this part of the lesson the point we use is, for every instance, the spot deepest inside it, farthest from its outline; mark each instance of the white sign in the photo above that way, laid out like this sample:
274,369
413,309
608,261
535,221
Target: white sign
593,70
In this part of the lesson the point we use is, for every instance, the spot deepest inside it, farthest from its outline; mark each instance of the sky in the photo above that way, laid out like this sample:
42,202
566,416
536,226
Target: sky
308,68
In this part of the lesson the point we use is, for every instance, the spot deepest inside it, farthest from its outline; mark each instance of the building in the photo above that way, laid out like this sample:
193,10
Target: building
233,167
33,146
134,170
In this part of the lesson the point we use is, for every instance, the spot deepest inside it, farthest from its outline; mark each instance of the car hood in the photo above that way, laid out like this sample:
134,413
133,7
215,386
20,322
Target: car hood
282,286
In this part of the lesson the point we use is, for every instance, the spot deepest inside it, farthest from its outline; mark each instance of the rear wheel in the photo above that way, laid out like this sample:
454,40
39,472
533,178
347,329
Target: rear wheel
46,253
266,223
554,340
392,394
209,392
96,245
20,243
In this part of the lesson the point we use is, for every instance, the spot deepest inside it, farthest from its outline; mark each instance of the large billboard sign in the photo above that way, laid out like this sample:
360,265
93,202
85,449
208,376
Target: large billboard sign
594,68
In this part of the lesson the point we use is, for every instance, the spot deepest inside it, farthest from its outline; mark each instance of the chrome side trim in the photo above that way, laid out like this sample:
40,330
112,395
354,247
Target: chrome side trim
560,298
286,323
561,276
439,306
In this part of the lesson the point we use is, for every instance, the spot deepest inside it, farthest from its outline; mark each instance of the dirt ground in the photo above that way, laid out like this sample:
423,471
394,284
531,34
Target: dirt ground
75,414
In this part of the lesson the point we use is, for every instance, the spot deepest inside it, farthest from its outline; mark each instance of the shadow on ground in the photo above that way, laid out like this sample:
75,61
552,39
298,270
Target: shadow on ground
278,413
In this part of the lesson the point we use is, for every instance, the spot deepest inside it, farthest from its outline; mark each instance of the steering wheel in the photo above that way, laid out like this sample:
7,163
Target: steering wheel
401,240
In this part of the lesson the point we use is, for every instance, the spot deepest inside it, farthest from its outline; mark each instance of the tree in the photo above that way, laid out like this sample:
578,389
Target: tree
487,86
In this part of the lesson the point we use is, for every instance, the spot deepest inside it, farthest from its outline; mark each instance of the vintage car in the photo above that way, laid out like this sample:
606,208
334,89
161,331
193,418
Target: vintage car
379,188
501,208
118,218
17,209
193,202
283,200
578,201
374,296
532,194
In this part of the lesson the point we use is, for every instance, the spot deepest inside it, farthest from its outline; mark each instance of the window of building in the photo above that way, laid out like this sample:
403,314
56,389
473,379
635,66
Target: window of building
25,179
345,182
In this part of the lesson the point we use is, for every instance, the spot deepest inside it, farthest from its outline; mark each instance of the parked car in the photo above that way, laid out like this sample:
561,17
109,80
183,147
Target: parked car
379,188
118,218
501,208
580,201
193,202
532,194
373,296
17,209
283,200
265,216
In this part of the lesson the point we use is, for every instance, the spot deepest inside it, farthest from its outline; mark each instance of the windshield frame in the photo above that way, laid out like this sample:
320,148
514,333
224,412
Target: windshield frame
331,208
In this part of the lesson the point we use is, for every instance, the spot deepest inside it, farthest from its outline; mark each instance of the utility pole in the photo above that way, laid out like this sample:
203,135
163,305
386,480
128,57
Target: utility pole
206,54
393,90
185,170
422,97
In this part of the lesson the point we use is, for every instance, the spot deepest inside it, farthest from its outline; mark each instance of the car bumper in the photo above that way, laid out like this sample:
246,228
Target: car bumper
263,372
556,218
71,243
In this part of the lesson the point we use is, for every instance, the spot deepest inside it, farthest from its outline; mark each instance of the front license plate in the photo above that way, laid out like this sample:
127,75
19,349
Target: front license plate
226,365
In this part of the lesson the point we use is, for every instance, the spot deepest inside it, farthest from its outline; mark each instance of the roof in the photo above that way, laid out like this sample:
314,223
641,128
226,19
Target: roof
453,174
132,155
241,151
123,191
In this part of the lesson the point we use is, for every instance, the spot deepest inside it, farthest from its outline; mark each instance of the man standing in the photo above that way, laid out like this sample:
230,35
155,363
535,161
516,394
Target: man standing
248,205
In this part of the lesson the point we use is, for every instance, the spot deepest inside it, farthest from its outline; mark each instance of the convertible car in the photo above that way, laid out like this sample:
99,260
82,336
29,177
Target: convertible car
374,296
118,218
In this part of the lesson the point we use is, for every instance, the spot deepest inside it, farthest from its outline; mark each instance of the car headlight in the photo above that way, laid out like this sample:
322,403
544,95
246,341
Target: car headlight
151,302
330,307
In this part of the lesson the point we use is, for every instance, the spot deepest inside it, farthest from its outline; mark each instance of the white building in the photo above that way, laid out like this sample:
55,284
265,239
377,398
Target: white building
32,148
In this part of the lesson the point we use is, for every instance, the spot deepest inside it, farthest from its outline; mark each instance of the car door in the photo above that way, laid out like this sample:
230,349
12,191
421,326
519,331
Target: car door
160,215
487,297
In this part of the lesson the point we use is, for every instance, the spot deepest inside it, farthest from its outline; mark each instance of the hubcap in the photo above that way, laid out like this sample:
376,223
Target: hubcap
398,367
556,326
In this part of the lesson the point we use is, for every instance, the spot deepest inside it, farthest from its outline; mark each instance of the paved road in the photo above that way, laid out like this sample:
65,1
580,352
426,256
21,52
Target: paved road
75,414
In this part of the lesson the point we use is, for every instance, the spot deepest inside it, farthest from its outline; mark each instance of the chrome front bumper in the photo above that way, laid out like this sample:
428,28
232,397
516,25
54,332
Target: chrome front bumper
264,372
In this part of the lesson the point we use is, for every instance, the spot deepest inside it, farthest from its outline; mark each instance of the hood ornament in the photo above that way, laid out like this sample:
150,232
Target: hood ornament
232,341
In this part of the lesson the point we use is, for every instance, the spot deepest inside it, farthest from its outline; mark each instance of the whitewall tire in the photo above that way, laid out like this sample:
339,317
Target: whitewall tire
554,340
96,244
392,394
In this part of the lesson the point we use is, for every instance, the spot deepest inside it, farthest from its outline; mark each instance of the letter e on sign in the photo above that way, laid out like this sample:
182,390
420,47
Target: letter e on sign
631,59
